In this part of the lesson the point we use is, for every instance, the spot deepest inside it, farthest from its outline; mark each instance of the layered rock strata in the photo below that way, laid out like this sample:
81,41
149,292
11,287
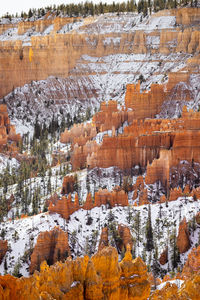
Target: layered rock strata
49,54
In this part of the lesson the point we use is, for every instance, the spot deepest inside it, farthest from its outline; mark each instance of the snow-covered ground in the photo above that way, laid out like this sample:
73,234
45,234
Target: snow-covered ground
22,234
9,162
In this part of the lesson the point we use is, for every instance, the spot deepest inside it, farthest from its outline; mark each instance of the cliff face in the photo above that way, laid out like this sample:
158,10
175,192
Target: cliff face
158,144
185,15
49,55
100,277
50,246
146,104
41,25
157,141
78,134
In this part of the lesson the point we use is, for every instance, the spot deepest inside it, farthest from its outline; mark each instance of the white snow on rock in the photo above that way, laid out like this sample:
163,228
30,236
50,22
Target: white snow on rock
154,23
177,282
70,27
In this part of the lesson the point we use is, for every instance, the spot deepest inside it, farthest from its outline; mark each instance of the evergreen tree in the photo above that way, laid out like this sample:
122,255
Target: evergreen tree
16,271
175,253
155,269
149,232
5,266
137,227
30,13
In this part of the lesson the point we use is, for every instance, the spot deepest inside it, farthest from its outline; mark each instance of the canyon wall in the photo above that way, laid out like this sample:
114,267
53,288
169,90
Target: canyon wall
157,144
146,104
42,24
56,54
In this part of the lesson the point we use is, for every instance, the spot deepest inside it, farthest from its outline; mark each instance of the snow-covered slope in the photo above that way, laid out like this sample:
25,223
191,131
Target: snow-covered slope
22,234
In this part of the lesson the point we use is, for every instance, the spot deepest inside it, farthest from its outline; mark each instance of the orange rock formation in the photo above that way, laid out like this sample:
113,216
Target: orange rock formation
183,241
170,292
146,104
51,246
133,287
68,185
126,237
78,134
192,264
50,53
190,288
66,206
109,117
103,238
198,218
7,131
164,257
100,277
3,249
155,143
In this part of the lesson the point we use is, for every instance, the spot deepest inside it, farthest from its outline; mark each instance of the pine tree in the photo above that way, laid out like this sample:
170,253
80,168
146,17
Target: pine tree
5,266
16,271
149,232
137,227
30,13
129,215
175,253
155,268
